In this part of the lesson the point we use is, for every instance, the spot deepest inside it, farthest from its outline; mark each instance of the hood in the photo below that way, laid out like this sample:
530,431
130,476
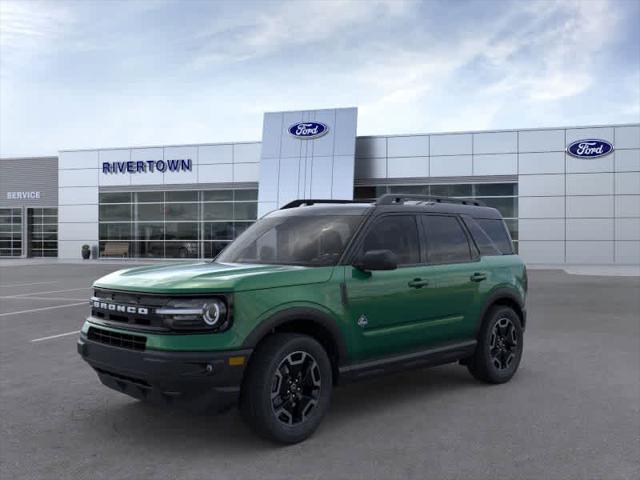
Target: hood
206,277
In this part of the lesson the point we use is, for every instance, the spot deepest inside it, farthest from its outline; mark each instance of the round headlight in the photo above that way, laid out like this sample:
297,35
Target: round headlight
212,313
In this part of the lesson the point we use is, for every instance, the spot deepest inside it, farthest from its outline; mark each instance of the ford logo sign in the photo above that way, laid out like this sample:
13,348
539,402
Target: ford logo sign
590,148
308,130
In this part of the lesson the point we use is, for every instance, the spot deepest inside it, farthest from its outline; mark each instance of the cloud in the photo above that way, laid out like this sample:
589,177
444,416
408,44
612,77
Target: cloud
117,73
28,27
532,53
287,25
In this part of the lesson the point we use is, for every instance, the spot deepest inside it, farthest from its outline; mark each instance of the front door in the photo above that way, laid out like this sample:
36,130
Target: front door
386,307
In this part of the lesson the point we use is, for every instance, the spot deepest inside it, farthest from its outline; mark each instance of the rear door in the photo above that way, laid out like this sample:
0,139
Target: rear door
455,274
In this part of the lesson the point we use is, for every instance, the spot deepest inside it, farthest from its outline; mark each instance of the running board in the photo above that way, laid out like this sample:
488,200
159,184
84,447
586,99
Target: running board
426,358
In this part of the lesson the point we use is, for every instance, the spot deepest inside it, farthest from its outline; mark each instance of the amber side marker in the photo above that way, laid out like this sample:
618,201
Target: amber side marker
236,361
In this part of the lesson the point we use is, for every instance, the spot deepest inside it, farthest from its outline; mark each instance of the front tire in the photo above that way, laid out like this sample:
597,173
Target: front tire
499,349
287,388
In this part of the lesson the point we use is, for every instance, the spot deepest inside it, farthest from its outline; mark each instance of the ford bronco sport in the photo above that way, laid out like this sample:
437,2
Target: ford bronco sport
315,294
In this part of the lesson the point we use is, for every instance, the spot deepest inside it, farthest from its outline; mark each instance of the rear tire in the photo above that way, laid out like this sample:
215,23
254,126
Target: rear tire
499,349
287,388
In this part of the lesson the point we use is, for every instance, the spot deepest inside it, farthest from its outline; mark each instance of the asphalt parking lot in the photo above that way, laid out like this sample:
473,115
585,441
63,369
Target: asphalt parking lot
572,411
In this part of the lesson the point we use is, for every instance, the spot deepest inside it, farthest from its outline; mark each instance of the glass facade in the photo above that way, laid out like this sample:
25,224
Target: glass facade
174,224
10,232
503,196
42,228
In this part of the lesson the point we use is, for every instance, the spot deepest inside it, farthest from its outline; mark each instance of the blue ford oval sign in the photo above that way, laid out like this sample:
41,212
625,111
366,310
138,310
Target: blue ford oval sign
590,148
308,130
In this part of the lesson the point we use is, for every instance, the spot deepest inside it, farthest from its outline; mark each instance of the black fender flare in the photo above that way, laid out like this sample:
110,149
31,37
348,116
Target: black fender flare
282,317
498,294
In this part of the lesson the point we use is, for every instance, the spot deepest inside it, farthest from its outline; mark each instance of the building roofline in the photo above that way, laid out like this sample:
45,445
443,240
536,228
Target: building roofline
43,157
207,144
418,134
313,110
498,130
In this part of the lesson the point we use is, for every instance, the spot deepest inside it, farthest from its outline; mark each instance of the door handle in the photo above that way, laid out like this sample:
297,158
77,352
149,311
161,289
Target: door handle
418,283
478,277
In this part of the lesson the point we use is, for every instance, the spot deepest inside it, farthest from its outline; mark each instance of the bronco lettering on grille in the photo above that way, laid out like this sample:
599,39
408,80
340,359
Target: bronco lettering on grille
120,308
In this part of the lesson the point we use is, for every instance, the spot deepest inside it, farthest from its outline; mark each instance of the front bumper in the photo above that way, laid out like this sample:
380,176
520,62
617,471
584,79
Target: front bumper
196,380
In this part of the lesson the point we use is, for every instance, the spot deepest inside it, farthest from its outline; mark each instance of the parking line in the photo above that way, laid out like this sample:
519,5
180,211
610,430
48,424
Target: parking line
26,284
13,297
52,291
43,308
55,336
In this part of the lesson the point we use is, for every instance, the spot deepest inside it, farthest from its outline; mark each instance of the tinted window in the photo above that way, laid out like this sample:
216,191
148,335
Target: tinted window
317,240
498,233
484,243
397,233
446,240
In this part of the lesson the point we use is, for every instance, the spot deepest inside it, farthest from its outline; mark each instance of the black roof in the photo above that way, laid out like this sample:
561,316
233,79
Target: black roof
389,203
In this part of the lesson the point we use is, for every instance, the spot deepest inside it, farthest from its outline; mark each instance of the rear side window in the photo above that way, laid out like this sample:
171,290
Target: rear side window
446,240
398,233
497,232
484,243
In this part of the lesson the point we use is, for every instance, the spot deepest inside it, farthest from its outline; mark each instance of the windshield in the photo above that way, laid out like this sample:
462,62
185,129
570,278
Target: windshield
310,240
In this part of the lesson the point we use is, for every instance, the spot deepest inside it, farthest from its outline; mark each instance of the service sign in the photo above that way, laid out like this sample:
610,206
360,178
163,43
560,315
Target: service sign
308,130
23,195
589,148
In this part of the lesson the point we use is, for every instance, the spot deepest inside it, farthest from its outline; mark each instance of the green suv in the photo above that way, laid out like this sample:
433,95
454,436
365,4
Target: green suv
316,294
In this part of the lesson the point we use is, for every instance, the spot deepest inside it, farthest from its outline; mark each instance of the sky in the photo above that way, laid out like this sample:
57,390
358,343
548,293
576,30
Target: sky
85,74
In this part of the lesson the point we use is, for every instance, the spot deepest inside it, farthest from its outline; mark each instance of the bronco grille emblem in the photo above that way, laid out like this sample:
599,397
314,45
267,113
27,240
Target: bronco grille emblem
112,307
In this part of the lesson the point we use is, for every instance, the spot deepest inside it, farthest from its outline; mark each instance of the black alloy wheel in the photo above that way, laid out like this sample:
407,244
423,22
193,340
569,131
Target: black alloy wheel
287,387
295,389
503,343
499,349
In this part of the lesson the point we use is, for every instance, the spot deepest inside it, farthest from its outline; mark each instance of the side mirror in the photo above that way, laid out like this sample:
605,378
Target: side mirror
377,260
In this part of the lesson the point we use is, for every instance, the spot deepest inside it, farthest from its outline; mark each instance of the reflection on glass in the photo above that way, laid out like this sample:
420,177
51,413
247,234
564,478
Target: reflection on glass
150,231
116,197
187,196
246,211
115,213
181,249
150,197
244,195
409,189
171,224
115,231
149,212
181,211
218,231
217,211
217,195
181,231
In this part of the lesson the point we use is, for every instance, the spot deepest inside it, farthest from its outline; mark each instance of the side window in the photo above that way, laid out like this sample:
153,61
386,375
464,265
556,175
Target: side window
484,243
398,233
446,240
497,232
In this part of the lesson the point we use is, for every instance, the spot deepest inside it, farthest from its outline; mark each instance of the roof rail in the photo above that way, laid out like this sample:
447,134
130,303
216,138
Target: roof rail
300,202
399,198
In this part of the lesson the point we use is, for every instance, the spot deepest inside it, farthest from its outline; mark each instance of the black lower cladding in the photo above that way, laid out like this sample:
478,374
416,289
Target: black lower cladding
195,380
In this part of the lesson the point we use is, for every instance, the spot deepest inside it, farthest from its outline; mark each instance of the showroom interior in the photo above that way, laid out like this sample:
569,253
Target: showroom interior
190,201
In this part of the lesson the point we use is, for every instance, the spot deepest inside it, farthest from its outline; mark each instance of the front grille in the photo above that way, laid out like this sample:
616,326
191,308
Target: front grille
117,339
144,321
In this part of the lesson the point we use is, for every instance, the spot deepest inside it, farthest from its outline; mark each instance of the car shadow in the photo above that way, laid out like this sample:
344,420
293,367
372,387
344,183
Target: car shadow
160,426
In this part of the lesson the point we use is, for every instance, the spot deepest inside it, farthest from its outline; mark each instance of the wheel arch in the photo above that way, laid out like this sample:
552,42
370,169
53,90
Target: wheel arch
506,297
307,321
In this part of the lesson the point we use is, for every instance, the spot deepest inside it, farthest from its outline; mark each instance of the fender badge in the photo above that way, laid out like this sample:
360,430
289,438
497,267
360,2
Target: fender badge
363,321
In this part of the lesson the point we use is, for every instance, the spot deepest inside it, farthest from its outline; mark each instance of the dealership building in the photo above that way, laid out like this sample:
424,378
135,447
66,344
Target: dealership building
569,195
